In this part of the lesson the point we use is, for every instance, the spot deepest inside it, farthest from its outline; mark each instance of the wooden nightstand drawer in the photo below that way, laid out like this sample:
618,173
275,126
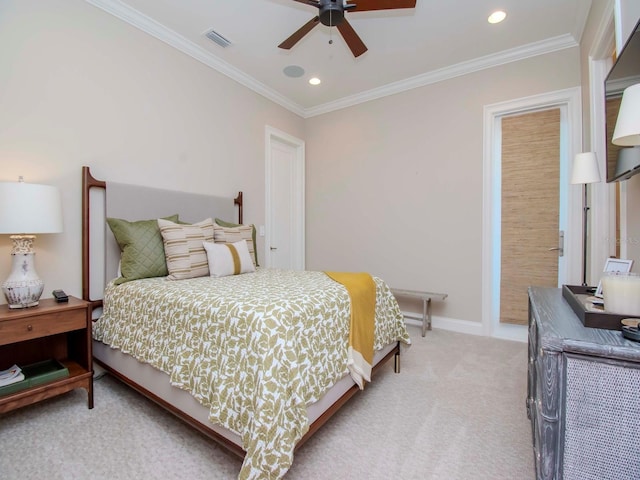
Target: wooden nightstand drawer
37,326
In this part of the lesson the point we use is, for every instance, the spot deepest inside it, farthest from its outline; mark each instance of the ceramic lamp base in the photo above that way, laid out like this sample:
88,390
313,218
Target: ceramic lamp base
23,288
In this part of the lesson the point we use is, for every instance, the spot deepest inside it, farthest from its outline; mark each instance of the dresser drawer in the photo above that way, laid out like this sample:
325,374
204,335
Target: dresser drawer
20,329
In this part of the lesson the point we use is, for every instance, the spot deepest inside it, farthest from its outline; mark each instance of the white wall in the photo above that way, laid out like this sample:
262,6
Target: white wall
394,186
627,14
80,87
397,191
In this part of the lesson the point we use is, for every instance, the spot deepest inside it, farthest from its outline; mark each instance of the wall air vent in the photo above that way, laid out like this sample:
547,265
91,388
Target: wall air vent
219,39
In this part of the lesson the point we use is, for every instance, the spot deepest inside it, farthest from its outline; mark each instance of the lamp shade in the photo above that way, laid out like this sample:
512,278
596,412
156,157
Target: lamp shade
627,131
585,169
29,208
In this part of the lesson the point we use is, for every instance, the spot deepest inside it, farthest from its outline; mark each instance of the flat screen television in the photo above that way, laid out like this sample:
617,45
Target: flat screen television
622,162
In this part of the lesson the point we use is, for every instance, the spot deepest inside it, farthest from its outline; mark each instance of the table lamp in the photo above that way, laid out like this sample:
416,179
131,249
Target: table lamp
585,170
27,209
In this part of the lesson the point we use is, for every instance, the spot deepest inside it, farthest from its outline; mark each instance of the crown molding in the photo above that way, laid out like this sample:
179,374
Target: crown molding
159,31
513,55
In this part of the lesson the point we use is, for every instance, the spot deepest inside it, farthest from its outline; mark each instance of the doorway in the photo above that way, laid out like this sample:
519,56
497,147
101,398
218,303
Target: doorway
567,104
285,222
531,241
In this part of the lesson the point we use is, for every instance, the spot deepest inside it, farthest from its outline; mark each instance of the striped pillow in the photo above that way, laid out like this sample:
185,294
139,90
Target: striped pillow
228,258
183,249
252,245
235,234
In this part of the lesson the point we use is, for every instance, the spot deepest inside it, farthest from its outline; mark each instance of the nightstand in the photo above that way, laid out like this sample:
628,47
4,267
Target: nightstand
51,330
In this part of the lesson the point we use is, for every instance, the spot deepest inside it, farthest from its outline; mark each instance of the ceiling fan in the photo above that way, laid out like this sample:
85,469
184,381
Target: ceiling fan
331,13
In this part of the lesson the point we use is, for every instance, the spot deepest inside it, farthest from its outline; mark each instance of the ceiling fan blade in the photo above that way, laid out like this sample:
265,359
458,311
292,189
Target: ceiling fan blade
366,5
298,34
354,42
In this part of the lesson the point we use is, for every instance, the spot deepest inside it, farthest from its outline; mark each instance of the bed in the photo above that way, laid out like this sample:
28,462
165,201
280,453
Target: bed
256,361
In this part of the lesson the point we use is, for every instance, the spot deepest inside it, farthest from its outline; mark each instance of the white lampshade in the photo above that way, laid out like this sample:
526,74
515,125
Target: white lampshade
627,131
29,208
585,169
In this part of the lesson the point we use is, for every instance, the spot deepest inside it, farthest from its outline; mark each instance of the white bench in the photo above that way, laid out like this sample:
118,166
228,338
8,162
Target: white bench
426,303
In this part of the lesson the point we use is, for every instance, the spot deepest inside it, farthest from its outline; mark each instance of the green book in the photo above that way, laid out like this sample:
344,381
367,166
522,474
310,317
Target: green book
37,374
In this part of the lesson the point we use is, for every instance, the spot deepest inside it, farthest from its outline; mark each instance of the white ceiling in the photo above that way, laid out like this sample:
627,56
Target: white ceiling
438,39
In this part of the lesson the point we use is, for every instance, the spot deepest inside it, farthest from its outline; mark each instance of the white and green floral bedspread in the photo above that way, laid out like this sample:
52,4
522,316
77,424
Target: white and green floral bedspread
254,348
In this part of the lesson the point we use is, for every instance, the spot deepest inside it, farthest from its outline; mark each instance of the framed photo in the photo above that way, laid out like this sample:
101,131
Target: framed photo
614,265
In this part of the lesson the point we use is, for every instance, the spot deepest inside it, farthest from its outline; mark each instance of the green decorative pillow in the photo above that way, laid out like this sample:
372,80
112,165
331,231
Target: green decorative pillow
142,248
253,251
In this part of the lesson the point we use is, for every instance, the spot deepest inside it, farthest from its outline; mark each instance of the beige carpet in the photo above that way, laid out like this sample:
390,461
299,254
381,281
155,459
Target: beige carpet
456,411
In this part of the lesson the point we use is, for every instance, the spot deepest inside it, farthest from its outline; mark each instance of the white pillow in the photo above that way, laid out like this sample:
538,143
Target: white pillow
228,258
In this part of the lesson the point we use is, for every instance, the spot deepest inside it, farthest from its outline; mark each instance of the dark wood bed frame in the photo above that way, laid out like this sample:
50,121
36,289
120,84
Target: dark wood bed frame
88,182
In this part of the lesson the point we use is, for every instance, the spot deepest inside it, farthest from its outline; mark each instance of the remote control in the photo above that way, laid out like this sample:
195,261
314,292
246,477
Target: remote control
60,296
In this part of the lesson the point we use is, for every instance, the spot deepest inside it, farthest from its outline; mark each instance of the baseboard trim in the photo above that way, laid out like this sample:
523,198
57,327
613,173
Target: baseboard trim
516,333
452,324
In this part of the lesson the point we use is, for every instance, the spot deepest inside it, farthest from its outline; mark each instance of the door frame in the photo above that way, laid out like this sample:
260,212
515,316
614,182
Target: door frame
603,197
297,212
569,102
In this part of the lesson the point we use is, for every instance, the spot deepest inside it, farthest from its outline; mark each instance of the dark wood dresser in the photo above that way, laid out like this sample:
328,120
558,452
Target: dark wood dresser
583,395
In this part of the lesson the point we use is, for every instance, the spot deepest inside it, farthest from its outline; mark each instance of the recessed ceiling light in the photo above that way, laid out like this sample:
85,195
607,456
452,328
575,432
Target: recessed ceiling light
314,81
497,16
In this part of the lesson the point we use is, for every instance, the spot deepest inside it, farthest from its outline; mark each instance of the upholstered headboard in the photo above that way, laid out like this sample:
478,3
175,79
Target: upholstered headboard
101,199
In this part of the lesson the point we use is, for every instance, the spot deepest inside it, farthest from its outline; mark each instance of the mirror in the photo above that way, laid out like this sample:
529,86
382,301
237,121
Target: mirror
625,72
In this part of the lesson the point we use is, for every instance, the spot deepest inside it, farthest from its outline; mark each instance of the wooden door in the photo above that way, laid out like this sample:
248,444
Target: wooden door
530,207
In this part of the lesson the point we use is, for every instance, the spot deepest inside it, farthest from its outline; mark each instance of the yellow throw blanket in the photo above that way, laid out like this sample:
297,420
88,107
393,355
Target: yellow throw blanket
362,292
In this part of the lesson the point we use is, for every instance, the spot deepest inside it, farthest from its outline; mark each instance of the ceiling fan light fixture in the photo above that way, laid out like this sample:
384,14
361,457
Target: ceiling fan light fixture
497,16
331,13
